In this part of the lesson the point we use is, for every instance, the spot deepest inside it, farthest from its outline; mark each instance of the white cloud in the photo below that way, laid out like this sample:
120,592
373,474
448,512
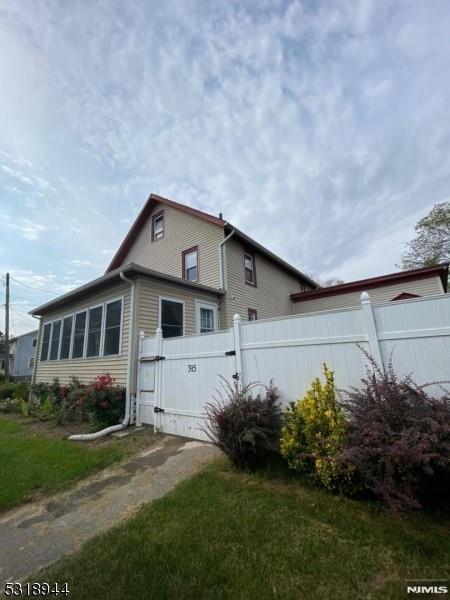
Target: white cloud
321,129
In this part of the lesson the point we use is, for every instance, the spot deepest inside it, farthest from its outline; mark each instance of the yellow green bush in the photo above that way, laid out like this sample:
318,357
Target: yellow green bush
314,433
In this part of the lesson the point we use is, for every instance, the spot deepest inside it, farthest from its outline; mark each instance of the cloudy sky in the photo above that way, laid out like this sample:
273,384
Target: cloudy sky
322,129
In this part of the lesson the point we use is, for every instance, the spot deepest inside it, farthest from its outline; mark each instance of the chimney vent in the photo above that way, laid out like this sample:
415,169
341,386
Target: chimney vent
220,216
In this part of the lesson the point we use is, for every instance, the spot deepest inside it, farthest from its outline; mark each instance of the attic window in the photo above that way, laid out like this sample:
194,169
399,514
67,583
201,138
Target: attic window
158,226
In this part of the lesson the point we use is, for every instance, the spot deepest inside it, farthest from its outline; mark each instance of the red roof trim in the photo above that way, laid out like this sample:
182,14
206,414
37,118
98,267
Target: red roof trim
374,282
142,218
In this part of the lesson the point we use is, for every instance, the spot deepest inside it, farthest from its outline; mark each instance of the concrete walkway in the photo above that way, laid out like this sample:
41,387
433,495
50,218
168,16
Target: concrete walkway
35,535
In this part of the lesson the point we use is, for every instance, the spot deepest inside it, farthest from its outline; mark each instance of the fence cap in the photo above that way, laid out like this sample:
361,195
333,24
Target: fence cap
365,297
237,318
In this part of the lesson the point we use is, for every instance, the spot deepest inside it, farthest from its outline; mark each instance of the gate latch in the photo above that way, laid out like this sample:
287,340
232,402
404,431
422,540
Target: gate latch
157,409
230,353
160,358
236,376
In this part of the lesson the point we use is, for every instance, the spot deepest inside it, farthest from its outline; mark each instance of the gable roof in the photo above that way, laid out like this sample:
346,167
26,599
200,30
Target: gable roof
375,282
245,239
142,218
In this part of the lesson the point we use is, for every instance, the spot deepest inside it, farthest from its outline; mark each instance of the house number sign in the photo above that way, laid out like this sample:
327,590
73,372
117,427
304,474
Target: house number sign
192,368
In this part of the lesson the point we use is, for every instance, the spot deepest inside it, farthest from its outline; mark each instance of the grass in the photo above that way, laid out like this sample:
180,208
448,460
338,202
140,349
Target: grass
32,463
227,535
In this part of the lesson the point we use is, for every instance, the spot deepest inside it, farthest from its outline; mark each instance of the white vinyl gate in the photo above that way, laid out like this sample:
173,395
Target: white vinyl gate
178,376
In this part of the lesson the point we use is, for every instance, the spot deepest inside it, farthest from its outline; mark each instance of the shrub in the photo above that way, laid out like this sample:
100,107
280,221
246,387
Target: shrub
105,402
7,390
398,439
244,427
9,405
314,433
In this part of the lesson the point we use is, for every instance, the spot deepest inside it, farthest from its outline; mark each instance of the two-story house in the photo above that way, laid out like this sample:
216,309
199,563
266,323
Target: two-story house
179,269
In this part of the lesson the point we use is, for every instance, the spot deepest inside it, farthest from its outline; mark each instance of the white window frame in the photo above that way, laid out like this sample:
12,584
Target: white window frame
199,304
86,331
121,299
79,312
71,316
99,355
51,341
161,298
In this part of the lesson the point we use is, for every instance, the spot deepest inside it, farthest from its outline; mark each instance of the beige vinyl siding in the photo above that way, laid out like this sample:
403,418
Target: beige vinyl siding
181,232
86,369
271,296
150,290
422,287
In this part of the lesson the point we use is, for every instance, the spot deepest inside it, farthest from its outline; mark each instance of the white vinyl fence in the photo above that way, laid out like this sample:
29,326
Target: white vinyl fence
178,376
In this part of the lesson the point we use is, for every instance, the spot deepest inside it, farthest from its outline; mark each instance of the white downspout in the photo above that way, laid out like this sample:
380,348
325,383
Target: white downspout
86,437
221,245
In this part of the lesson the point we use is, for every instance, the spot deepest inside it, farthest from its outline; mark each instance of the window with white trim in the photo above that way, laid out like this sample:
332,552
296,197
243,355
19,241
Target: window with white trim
46,341
94,335
172,318
249,265
158,226
66,338
113,320
79,332
206,317
54,344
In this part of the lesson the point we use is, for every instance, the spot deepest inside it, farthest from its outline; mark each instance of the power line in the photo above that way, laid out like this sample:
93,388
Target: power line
35,288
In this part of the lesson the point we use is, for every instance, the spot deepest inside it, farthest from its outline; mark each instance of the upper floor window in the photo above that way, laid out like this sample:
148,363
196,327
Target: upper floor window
190,264
34,342
158,226
249,265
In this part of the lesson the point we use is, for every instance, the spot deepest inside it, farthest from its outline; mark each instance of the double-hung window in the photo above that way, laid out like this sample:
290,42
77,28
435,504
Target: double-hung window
190,264
66,338
171,317
205,317
249,266
158,226
94,336
46,341
113,319
54,344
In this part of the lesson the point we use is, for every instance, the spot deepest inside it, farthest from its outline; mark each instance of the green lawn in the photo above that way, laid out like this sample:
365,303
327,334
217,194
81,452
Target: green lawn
227,535
30,462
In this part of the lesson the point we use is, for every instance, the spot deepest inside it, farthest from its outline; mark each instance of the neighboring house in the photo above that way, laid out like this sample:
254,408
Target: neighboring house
23,350
179,269
396,286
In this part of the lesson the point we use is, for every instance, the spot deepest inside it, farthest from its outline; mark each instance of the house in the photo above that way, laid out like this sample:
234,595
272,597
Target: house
427,281
23,351
178,268
186,272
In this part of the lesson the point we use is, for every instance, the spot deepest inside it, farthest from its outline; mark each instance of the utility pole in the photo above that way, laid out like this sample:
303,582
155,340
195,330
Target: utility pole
7,329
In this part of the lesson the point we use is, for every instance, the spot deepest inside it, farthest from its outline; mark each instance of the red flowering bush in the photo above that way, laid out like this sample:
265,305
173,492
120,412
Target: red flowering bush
398,440
104,401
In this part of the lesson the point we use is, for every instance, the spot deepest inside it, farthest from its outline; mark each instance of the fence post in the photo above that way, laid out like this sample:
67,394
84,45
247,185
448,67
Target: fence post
138,377
237,348
158,380
371,329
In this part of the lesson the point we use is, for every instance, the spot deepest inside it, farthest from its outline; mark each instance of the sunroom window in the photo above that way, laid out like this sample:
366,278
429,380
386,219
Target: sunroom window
66,337
46,341
54,345
78,335
94,331
112,328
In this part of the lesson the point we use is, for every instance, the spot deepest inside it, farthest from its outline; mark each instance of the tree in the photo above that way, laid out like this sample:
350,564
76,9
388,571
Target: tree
432,242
